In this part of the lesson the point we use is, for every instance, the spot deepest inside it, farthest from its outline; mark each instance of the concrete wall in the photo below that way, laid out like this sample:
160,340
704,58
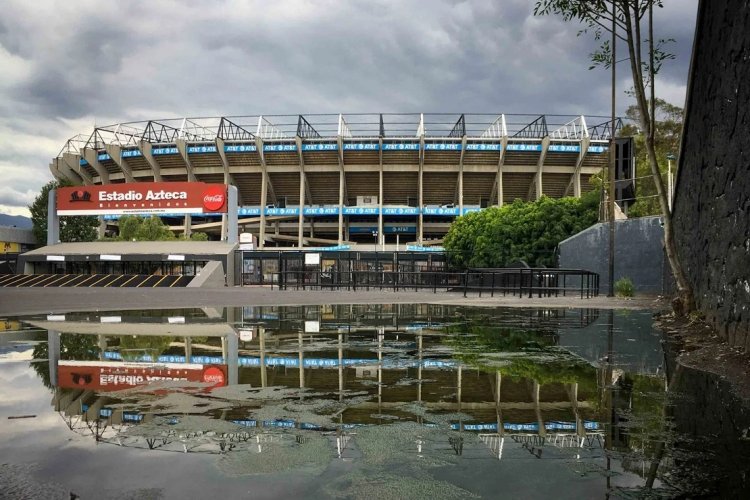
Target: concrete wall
712,205
211,276
639,253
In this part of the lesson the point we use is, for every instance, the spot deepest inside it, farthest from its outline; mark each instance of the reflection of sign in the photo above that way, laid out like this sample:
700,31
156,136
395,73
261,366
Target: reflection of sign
114,376
418,248
142,198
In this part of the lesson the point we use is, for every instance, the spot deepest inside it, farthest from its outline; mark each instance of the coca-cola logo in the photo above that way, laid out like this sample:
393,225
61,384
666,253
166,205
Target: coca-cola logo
214,198
214,376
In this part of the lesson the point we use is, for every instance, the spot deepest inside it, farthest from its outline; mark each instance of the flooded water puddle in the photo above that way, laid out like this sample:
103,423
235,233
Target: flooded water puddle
378,401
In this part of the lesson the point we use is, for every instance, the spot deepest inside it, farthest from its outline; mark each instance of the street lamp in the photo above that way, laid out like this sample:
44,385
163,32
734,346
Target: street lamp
670,194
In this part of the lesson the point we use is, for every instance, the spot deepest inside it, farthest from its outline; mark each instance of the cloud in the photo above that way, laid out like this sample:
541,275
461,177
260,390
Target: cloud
68,65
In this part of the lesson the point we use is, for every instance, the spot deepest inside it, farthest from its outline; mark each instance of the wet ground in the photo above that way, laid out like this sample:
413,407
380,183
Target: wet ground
355,401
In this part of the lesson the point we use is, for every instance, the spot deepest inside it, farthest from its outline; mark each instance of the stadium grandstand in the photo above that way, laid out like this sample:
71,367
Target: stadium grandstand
327,179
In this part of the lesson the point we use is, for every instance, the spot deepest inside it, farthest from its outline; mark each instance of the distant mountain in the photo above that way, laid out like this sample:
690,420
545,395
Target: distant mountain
19,221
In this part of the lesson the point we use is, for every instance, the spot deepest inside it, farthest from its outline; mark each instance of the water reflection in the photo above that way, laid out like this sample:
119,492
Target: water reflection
425,398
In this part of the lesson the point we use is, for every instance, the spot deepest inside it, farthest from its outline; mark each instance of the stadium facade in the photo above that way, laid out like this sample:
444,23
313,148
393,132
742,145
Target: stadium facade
320,180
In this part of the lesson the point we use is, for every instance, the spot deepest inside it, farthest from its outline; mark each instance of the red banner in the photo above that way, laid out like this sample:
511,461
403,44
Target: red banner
143,198
115,375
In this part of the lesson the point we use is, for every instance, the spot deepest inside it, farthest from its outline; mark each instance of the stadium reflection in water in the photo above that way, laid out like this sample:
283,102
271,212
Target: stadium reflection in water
407,398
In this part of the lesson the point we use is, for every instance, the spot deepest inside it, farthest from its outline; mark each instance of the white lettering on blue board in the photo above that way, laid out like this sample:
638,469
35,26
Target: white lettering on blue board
239,148
524,147
202,149
360,146
401,146
164,151
320,147
279,147
483,146
443,146
565,148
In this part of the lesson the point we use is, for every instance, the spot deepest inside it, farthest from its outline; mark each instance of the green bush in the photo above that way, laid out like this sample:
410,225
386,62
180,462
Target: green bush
529,231
624,287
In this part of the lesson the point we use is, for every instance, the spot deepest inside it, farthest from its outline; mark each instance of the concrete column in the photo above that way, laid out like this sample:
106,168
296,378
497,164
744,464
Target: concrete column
232,234
262,348
188,226
102,345
182,149
342,181
542,429
380,206
341,367
301,362
263,203
500,188
188,348
301,219
53,221
232,358
420,203
146,148
53,355
461,191
419,368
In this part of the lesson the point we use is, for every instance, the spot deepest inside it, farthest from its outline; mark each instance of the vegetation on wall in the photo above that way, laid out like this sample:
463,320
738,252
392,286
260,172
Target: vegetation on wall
528,231
667,131
136,228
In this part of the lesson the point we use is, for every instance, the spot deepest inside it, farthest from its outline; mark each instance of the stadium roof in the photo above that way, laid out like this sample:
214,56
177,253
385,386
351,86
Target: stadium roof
322,127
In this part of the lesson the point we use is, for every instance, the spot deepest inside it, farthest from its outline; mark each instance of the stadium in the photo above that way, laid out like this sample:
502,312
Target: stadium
354,179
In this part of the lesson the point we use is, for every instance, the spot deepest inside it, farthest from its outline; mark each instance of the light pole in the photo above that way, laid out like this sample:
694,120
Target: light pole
670,157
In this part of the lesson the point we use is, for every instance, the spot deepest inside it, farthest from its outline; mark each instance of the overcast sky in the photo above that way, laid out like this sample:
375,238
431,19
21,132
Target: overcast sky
67,65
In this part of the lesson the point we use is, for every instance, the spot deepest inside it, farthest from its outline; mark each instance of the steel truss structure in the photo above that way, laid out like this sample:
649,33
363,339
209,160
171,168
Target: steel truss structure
322,179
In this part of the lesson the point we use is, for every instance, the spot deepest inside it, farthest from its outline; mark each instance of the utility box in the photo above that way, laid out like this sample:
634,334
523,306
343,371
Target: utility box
367,201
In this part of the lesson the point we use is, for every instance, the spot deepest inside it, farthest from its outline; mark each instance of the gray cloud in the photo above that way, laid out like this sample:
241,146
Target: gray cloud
68,64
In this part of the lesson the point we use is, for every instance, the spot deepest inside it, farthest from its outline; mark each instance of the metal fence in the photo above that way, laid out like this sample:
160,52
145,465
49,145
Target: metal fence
406,271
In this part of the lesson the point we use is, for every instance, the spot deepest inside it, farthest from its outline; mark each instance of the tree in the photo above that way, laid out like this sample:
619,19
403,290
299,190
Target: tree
137,228
666,140
528,231
72,228
630,21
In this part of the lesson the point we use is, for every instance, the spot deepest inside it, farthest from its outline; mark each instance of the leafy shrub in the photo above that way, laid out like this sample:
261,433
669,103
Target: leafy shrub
528,231
624,287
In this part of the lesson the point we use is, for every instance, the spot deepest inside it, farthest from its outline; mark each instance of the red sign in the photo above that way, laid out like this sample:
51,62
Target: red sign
116,375
143,198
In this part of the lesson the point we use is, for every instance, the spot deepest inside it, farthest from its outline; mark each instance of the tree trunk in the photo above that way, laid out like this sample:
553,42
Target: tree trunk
686,302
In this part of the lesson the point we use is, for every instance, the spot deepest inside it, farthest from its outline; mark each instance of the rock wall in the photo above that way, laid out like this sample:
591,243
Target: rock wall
712,205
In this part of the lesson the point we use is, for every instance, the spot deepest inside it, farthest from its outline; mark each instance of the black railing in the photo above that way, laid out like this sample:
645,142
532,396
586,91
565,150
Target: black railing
521,282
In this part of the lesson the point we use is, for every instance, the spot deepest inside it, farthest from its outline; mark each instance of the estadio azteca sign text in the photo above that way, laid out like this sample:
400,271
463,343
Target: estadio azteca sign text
143,198
118,375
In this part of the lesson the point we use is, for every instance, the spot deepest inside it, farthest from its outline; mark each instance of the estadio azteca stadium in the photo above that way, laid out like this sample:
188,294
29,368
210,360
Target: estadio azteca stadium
318,180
